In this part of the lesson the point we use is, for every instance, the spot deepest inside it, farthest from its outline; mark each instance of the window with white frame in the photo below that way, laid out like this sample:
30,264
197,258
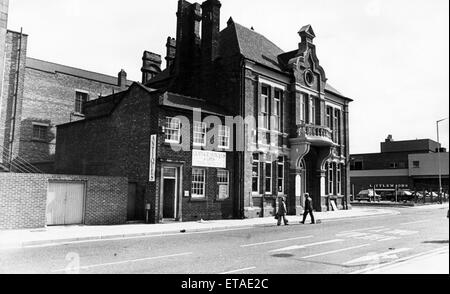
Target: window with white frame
312,111
224,137
198,183
337,126
330,179
329,117
255,173
268,186
199,133
339,180
223,180
277,110
265,107
280,182
172,130
304,100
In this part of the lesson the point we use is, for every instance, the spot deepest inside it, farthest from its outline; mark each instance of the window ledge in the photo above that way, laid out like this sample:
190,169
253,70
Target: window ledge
172,143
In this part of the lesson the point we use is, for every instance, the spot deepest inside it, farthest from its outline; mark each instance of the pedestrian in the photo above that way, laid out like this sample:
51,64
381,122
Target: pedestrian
308,209
282,211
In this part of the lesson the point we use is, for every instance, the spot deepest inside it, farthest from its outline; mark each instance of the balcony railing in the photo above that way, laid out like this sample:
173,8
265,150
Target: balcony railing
315,134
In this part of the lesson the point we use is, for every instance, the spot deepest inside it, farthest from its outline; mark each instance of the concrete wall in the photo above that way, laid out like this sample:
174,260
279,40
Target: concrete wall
23,199
429,164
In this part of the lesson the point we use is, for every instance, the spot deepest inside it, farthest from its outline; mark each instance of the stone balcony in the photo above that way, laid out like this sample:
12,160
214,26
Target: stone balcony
315,135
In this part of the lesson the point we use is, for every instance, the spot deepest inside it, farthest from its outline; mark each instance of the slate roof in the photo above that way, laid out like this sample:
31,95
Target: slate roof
258,48
54,68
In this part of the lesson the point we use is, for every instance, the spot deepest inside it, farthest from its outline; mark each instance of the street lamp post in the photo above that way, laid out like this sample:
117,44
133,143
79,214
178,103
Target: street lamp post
439,159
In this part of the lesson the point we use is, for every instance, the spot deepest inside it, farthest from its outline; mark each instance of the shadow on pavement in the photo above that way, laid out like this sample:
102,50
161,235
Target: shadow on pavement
436,242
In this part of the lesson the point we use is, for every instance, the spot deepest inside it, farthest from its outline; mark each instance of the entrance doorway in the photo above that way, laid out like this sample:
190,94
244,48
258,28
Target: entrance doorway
170,193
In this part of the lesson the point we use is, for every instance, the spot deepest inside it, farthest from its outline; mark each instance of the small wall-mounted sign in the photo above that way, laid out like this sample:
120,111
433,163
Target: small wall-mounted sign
152,167
187,194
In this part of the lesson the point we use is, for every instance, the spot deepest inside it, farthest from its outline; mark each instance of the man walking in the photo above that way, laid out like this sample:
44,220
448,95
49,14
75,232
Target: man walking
308,209
282,211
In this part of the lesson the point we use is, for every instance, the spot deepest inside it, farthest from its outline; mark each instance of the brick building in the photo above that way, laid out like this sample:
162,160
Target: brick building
279,128
37,95
411,164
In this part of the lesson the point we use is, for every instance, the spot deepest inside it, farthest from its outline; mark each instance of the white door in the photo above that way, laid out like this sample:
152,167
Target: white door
65,203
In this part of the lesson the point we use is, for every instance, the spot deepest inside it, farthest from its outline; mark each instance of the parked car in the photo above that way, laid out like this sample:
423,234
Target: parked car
405,195
368,195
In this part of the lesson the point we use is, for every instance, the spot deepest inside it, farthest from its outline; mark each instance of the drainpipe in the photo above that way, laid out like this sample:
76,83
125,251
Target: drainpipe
16,92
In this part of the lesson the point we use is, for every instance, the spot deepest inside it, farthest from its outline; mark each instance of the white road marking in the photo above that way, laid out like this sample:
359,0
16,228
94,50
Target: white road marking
396,262
402,232
276,241
126,261
367,258
335,251
239,270
418,222
128,238
380,230
295,247
388,239
360,230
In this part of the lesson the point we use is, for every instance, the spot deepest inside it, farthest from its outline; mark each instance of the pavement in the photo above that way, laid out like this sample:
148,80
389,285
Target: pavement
430,263
386,204
10,239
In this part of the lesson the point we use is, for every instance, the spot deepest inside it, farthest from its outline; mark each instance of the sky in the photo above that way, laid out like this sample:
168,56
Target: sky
390,56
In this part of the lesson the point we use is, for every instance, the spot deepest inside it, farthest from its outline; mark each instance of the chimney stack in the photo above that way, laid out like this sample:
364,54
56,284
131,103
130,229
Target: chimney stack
390,138
210,29
210,44
122,79
171,46
151,66
186,64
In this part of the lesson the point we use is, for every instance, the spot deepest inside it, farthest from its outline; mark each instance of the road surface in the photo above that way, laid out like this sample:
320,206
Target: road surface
331,247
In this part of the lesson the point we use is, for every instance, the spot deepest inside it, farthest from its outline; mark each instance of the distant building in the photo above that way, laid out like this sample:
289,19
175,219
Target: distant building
37,95
412,164
298,143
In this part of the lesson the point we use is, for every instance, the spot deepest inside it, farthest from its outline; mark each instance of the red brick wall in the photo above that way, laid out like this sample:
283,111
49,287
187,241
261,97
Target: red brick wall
192,209
23,199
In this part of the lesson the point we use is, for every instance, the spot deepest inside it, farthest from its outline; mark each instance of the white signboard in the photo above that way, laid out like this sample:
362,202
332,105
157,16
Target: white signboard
223,192
209,159
152,169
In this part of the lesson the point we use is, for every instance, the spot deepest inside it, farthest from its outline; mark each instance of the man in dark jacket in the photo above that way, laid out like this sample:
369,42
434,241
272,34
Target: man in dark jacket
282,211
308,209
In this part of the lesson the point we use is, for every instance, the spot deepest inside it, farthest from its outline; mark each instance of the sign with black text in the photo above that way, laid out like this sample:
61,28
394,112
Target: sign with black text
152,168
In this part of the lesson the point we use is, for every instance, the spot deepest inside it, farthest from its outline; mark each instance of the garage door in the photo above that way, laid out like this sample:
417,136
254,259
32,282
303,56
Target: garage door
65,203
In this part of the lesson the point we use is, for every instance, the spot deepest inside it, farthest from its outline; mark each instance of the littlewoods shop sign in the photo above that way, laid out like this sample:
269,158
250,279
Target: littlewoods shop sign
209,159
